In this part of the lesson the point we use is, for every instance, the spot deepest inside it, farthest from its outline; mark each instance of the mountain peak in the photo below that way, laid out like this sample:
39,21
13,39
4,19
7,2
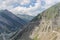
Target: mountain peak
10,21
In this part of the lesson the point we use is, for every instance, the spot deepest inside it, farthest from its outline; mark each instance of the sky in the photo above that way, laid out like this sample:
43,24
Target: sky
28,7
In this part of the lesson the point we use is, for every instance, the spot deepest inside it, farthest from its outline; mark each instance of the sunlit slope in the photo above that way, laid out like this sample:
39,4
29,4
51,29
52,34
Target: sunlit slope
45,26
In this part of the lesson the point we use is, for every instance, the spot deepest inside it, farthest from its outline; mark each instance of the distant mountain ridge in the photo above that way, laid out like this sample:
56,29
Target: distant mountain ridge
25,17
10,22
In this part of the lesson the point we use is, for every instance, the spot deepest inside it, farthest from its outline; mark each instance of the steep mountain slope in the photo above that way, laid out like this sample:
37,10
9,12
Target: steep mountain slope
9,22
45,26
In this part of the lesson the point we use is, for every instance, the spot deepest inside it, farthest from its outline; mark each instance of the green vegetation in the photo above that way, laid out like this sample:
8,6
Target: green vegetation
37,17
50,13
36,37
47,29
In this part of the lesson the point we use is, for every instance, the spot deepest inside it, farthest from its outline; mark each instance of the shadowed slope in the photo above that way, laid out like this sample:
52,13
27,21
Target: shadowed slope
9,22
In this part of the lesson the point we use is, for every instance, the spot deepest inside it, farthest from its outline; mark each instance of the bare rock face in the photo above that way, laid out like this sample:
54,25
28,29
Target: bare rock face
45,26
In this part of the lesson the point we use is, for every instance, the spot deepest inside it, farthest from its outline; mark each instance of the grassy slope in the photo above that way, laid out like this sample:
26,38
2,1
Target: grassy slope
40,26
47,15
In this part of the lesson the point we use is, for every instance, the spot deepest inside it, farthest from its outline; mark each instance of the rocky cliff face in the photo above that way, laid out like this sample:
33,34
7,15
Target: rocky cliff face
45,26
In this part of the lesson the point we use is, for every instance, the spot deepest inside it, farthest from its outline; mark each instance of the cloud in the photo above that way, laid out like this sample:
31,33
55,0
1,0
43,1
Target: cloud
25,6
25,2
25,10
9,4
29,11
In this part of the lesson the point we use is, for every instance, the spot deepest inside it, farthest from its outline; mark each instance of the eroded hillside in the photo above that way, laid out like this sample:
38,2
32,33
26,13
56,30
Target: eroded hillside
45,26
